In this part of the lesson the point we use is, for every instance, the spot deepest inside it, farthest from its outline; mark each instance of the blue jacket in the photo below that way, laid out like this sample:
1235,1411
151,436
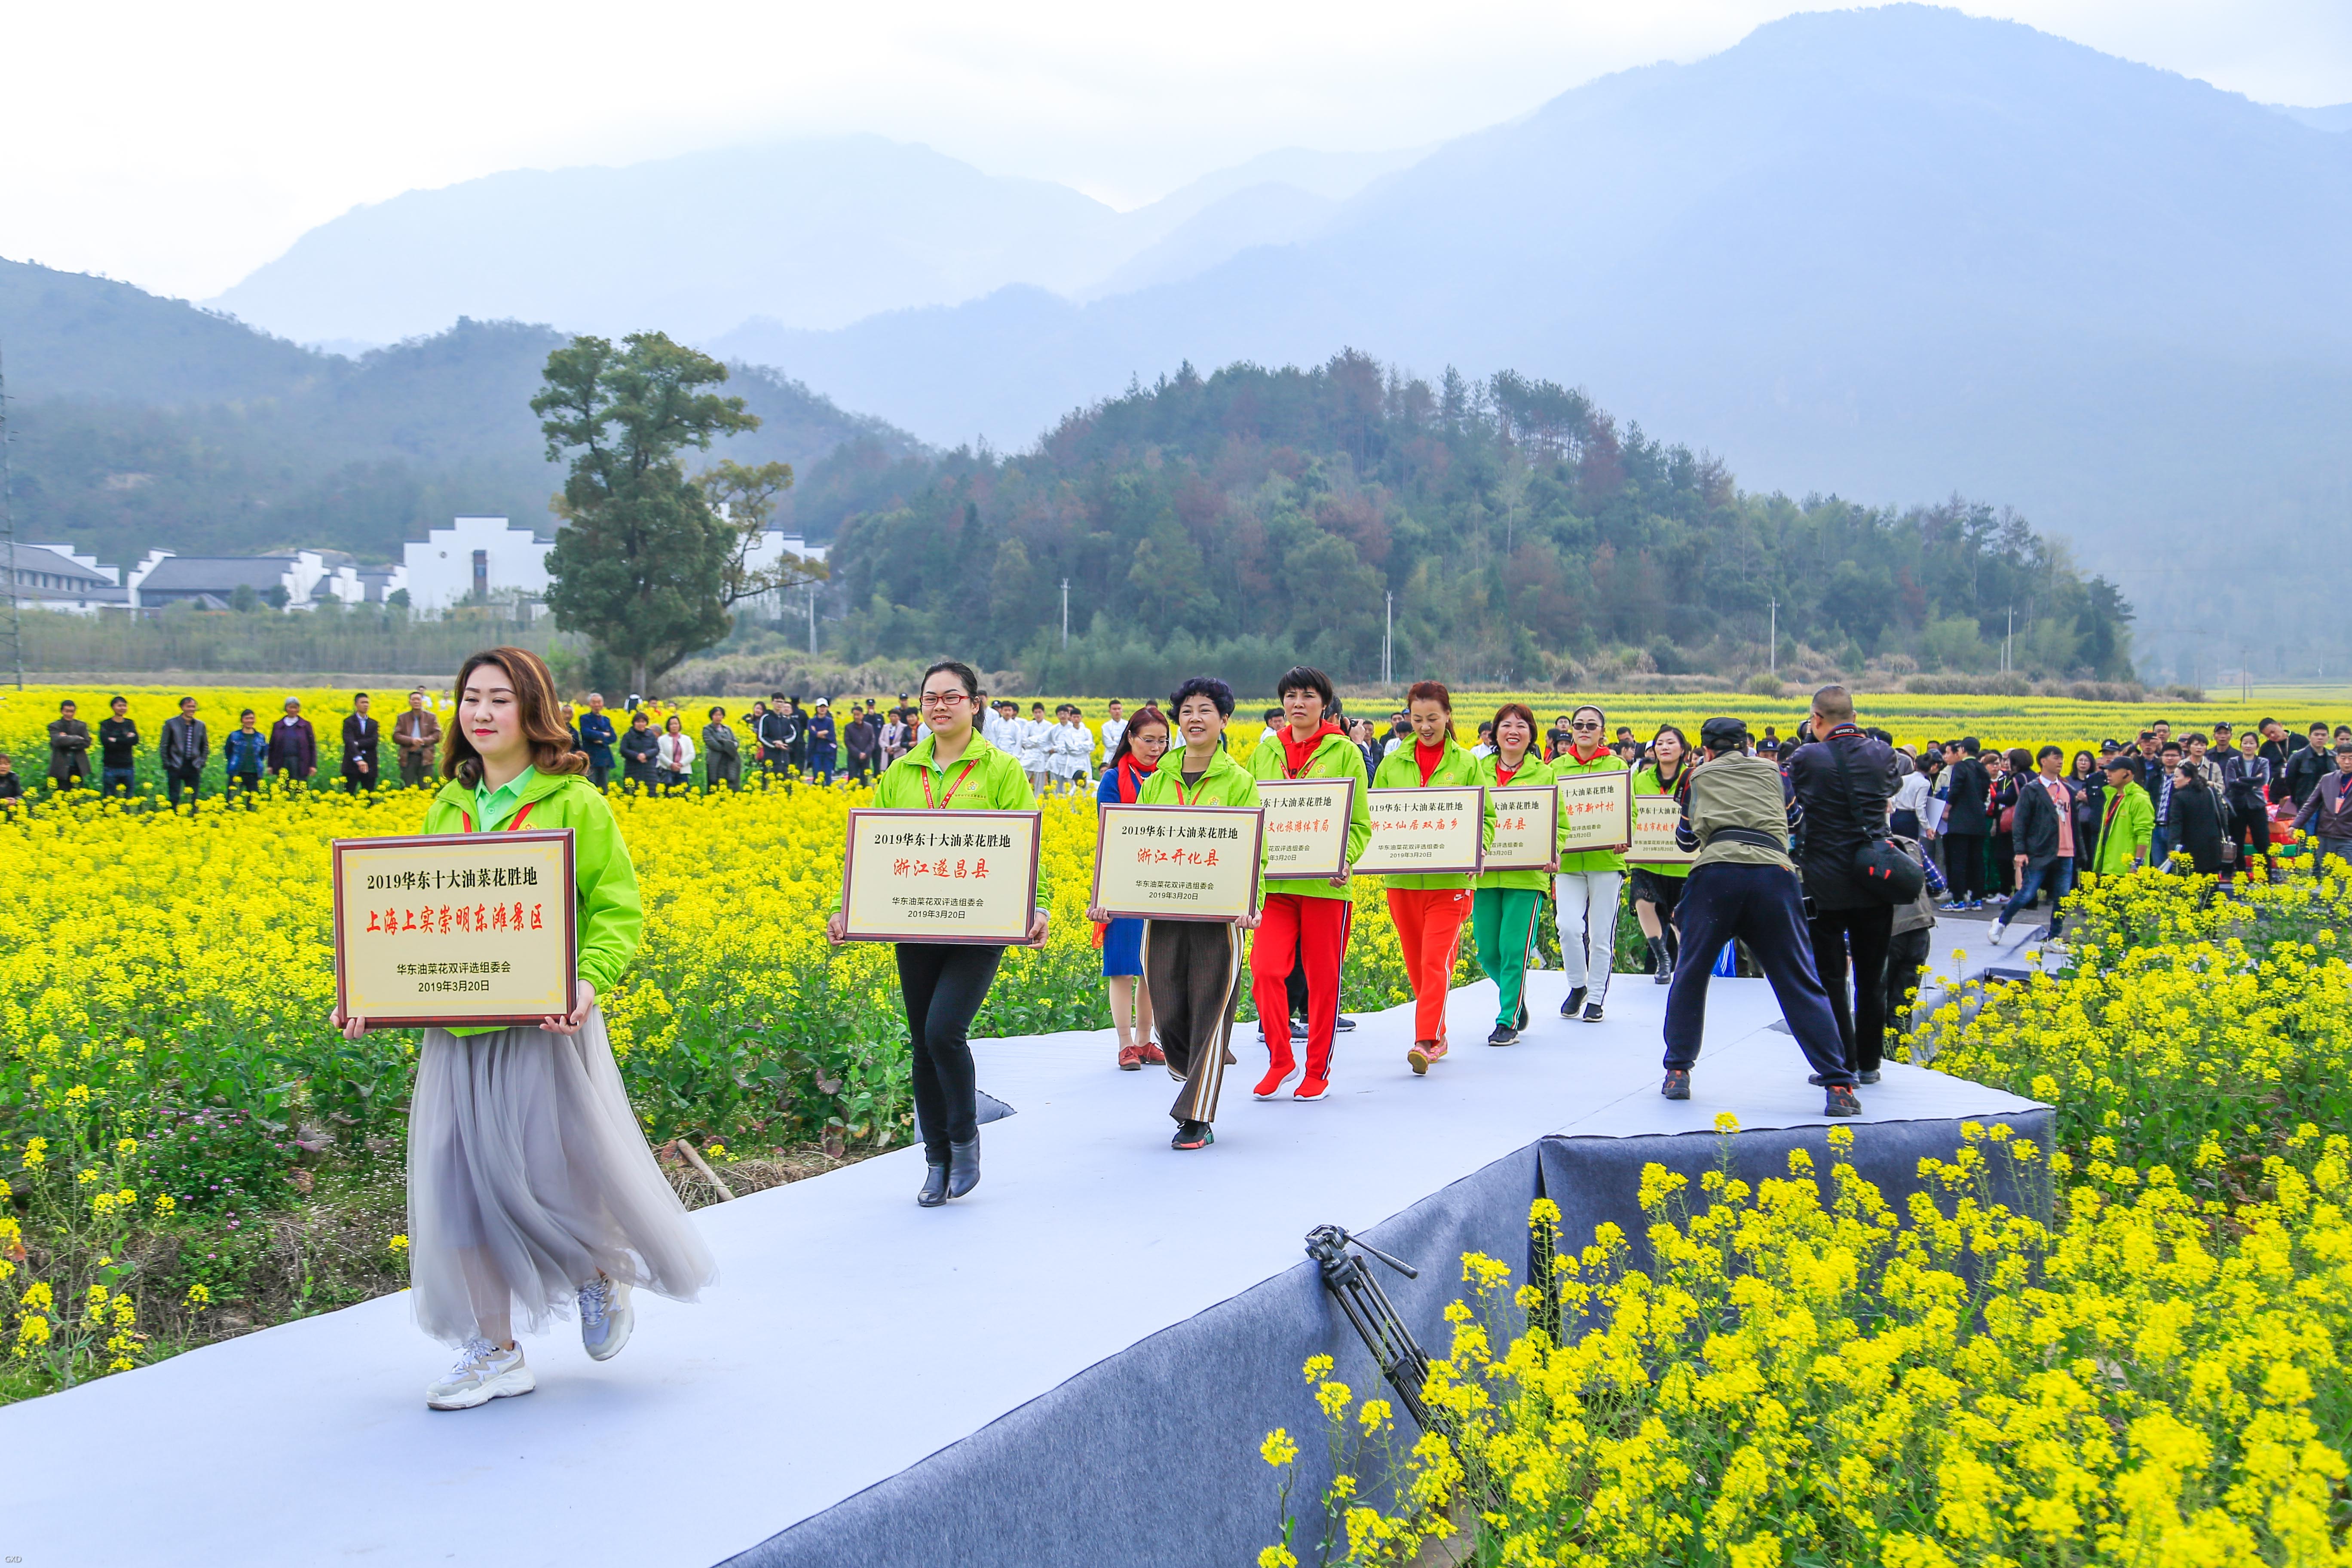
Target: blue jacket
596,738
245,755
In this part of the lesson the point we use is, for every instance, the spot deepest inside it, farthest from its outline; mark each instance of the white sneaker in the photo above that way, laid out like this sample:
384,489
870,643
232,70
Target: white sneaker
1994,935
483,1373
605,1317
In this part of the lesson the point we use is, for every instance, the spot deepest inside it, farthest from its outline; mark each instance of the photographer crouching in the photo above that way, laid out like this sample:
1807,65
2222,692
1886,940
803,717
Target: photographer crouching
1738,815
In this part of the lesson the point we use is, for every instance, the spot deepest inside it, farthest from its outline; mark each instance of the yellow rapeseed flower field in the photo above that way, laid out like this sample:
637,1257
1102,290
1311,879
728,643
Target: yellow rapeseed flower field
165,981
1797,1371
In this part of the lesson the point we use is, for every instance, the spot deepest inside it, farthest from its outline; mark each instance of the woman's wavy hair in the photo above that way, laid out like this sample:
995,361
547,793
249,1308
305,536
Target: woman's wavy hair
541,711
1682,766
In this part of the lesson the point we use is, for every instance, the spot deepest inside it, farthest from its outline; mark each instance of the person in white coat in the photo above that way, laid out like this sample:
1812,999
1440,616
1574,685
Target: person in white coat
1036,738
673,757
1070,750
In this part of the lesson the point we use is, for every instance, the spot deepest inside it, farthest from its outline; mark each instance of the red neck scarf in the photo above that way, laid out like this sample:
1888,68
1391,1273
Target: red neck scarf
1131,774
1295,752
1427,758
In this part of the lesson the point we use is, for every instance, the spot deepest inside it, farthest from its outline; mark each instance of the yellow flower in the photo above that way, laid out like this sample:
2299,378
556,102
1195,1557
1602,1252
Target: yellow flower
399,1246
1724,1122
1278,1449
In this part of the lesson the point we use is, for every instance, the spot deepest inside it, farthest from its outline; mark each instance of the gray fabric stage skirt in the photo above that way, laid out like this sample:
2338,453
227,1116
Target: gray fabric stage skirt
1150,1458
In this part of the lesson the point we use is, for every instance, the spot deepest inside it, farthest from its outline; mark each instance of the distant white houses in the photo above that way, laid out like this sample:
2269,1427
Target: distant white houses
488,559
54,577
476,559
484,558
301,580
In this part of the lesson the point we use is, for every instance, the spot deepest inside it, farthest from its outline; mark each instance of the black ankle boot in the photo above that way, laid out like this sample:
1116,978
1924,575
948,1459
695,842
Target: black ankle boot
963,1167
935,1186
1661,963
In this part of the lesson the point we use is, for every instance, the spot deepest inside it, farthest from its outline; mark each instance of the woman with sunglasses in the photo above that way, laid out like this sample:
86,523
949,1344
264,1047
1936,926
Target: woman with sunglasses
953,767
1585,891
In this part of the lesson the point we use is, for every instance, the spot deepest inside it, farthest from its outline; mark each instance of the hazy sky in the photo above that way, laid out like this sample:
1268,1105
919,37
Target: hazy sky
181,146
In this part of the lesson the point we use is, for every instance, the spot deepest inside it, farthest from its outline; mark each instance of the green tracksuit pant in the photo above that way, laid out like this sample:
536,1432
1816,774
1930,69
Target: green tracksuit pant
1503,919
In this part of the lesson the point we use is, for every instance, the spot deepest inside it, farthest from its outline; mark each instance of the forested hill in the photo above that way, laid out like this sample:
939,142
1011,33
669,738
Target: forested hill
1243,521
139,421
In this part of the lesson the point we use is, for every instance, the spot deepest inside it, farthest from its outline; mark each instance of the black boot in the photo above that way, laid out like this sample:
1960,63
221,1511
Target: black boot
935,1186
1661,963
963,1167
1575,1002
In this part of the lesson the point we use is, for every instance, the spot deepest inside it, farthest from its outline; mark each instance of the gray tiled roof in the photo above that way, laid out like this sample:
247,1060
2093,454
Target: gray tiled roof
220,574
41,559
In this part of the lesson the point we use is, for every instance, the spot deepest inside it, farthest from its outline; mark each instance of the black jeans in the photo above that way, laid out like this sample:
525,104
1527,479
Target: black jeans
1964,864
1907,961
188,776
1760,905
943,985
1863,934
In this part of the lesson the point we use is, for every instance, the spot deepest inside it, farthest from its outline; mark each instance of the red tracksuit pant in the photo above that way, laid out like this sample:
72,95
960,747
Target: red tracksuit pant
1428,928
1312,932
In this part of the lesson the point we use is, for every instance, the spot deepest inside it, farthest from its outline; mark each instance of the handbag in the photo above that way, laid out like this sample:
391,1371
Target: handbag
1892,876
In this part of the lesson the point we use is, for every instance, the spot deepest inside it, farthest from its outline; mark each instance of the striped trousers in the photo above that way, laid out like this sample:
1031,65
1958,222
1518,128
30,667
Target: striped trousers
1193,969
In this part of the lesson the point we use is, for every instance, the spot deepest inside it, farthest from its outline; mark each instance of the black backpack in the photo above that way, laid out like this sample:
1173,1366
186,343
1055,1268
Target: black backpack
1891,876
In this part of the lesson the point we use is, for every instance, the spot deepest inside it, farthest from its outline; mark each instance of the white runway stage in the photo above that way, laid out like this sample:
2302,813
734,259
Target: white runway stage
1085,1351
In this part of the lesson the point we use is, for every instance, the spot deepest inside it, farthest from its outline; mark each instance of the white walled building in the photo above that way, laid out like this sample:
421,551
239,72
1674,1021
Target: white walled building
303,580
477,555
55,578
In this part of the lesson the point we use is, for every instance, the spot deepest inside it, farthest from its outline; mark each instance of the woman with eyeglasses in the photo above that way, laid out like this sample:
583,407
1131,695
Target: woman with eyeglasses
1584,893
953,767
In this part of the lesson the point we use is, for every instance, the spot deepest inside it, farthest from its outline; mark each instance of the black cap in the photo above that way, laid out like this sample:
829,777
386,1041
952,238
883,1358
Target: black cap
1724,735
2122,763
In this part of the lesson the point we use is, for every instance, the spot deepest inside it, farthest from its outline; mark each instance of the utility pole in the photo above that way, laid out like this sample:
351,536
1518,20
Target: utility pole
2008,643
1387,644
1772,647
1065,612
9,531
812,610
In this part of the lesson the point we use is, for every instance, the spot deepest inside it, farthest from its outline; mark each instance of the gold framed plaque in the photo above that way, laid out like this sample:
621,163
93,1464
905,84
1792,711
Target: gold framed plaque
1596,811
1527,826
455,928
940,876
1177,862
1426,830
1655,817
1307,823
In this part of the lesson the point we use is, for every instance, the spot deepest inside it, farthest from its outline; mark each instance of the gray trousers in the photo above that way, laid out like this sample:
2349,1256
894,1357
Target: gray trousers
1193,969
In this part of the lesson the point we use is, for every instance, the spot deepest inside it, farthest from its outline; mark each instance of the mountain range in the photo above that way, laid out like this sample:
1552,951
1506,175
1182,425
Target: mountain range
136,421
1901,251
814,234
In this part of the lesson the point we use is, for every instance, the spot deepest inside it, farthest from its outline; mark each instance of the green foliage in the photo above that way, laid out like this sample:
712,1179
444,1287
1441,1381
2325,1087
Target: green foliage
644,565
1264,515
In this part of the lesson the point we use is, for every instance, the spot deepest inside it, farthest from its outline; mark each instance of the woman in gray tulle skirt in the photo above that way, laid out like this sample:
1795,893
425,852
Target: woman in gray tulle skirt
530,1185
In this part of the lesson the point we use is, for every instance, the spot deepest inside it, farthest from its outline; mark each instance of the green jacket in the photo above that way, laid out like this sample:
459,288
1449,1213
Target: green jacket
611,914
1564,767
1227,782
984,778
1334,757
2126,828
1647,782
1456,768
1533,771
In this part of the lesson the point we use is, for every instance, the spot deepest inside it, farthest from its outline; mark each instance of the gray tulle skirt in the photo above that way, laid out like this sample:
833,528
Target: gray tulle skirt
528,1174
